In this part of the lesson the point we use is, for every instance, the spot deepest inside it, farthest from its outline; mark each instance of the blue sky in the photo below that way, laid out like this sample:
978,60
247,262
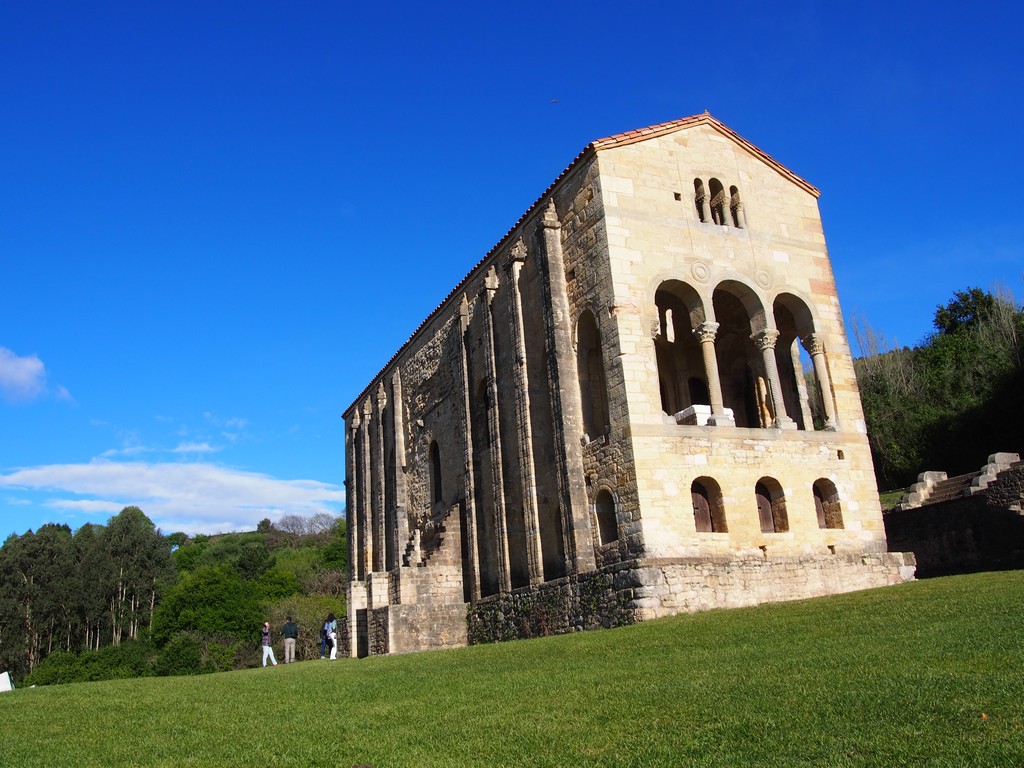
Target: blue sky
219,220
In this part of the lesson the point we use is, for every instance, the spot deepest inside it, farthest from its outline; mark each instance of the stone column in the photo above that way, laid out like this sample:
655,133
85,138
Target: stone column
368,554
353,501
738,214
356,512
721,204
705,209
469,492
401,532
494,428
705,333
534,556
765,342
380,478
816,349
566,404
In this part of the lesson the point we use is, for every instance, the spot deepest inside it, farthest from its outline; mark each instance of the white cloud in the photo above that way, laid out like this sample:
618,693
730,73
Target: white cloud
190,497
21,378
195,448
86,505
24,378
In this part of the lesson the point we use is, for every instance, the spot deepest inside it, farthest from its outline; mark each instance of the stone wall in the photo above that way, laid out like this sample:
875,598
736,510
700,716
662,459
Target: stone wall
626,593
964,534
572,604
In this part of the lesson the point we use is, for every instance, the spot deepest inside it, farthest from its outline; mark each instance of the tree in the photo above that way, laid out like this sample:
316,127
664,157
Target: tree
97,571
951,401
209,600
294,524
141,558
966,310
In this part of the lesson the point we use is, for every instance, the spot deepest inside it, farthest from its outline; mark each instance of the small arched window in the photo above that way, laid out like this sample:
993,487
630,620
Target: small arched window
826,504
606,522
719,203
700,200
736,207
771,506
708,507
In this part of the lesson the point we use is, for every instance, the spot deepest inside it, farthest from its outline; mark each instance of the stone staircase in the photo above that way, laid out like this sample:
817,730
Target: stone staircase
433,545
935,487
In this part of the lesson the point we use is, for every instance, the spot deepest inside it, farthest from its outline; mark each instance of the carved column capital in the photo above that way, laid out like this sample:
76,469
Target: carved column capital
765,340
706,332
814,344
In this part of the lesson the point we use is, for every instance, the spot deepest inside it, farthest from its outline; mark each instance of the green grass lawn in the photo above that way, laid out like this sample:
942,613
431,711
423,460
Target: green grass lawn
927,673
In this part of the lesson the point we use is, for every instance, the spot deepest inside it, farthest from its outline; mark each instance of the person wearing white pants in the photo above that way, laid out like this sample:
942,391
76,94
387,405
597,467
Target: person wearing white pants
332,632
268,649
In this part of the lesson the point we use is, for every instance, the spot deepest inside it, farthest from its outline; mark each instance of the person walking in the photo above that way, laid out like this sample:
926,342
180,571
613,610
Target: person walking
268,649
332,633
291,634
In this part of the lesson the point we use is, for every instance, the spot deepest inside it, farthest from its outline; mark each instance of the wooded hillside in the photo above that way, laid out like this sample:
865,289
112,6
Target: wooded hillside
125,600
952,400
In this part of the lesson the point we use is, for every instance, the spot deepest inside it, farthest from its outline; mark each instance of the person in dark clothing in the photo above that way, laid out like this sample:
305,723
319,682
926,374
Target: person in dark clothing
291,634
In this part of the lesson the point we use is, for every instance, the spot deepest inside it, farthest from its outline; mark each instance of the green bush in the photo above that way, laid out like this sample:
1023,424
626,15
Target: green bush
181,656
132,658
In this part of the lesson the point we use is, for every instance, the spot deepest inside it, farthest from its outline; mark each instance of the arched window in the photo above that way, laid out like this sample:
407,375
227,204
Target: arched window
771,506
606,522
708,508
681,375
700,200
719,203
436,495
826,504
736,206
743,378
590,368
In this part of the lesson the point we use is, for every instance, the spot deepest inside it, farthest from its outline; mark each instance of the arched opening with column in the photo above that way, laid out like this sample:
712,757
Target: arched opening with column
803,368
826,504
590,369
739,217
771,506
681,374
708,506
745,386
719,203
793,321
700,201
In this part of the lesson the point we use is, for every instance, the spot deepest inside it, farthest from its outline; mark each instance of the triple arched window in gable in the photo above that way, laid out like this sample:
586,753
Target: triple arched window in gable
717,205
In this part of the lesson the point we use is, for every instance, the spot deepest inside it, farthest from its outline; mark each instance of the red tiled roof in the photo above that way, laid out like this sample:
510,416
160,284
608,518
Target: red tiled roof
618,140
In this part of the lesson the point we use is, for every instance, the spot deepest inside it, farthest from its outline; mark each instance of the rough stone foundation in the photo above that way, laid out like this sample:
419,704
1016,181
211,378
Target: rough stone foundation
627,593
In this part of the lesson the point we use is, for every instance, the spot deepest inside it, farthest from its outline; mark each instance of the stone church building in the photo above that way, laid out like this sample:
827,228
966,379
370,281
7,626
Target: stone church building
640,402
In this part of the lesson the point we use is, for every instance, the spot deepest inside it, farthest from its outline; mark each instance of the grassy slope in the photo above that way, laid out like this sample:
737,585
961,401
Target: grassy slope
900,676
